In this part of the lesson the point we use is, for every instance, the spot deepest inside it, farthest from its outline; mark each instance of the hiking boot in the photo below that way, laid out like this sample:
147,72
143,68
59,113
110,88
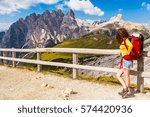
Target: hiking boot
123,92
127,95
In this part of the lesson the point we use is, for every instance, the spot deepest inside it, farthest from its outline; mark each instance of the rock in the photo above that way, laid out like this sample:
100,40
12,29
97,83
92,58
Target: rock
38,77
112,62
69,91
65,94
46,85
51,87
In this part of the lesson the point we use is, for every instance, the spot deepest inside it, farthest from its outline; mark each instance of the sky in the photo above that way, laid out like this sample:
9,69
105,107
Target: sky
132,10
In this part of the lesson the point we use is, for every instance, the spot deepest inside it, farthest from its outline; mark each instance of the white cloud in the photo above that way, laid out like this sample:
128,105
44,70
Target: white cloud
84,5
147,5
143,3
8,7
120,10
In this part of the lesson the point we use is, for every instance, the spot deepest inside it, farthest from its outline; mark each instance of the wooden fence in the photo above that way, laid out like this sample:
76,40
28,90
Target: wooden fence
140,73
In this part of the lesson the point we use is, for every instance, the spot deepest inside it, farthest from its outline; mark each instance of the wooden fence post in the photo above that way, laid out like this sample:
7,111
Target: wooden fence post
75,61
13,56
39,67
140,69
1,60
140,79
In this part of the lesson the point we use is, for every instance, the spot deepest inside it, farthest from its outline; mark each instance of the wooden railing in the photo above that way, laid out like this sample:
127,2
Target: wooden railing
140,73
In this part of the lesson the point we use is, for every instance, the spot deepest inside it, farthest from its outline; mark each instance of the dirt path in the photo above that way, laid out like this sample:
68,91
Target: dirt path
21,84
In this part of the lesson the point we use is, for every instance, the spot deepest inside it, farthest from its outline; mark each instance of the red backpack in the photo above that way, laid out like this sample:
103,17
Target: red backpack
136,52
137,42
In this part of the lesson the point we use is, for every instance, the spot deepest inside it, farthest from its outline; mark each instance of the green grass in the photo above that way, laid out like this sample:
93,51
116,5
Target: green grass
108,81
102,80
55,56
145,88
97,41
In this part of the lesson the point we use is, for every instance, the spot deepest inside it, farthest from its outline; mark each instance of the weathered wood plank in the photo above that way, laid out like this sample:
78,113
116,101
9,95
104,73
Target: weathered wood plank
1,60
62,64
95,68
67,50
75,62
17,50
70,50
39,67
86,51
14,56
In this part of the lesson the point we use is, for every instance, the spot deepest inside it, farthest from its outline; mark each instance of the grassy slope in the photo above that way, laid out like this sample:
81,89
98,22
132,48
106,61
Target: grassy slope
93,41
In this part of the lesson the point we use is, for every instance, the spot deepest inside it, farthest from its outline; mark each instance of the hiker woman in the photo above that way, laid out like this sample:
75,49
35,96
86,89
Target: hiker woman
122,37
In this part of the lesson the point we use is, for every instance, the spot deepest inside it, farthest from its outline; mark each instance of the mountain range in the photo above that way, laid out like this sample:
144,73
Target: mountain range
110,27
50,28
43,30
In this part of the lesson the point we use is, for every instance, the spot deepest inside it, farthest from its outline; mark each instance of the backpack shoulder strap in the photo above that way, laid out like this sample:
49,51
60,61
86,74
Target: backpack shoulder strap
125,44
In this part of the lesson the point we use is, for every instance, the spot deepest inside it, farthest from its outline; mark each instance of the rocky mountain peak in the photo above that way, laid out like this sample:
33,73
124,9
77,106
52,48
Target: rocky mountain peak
21,19
70,13
31,18
60,13
46,13
33,15
54,13
57,13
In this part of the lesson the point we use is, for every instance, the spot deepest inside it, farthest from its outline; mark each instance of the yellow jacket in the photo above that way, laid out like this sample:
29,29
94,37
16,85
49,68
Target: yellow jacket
123,49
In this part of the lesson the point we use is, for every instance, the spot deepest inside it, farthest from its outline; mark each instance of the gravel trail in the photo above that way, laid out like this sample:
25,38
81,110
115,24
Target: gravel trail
23,84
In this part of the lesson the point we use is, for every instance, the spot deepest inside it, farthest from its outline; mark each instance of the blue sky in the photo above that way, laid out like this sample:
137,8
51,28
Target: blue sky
132,10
